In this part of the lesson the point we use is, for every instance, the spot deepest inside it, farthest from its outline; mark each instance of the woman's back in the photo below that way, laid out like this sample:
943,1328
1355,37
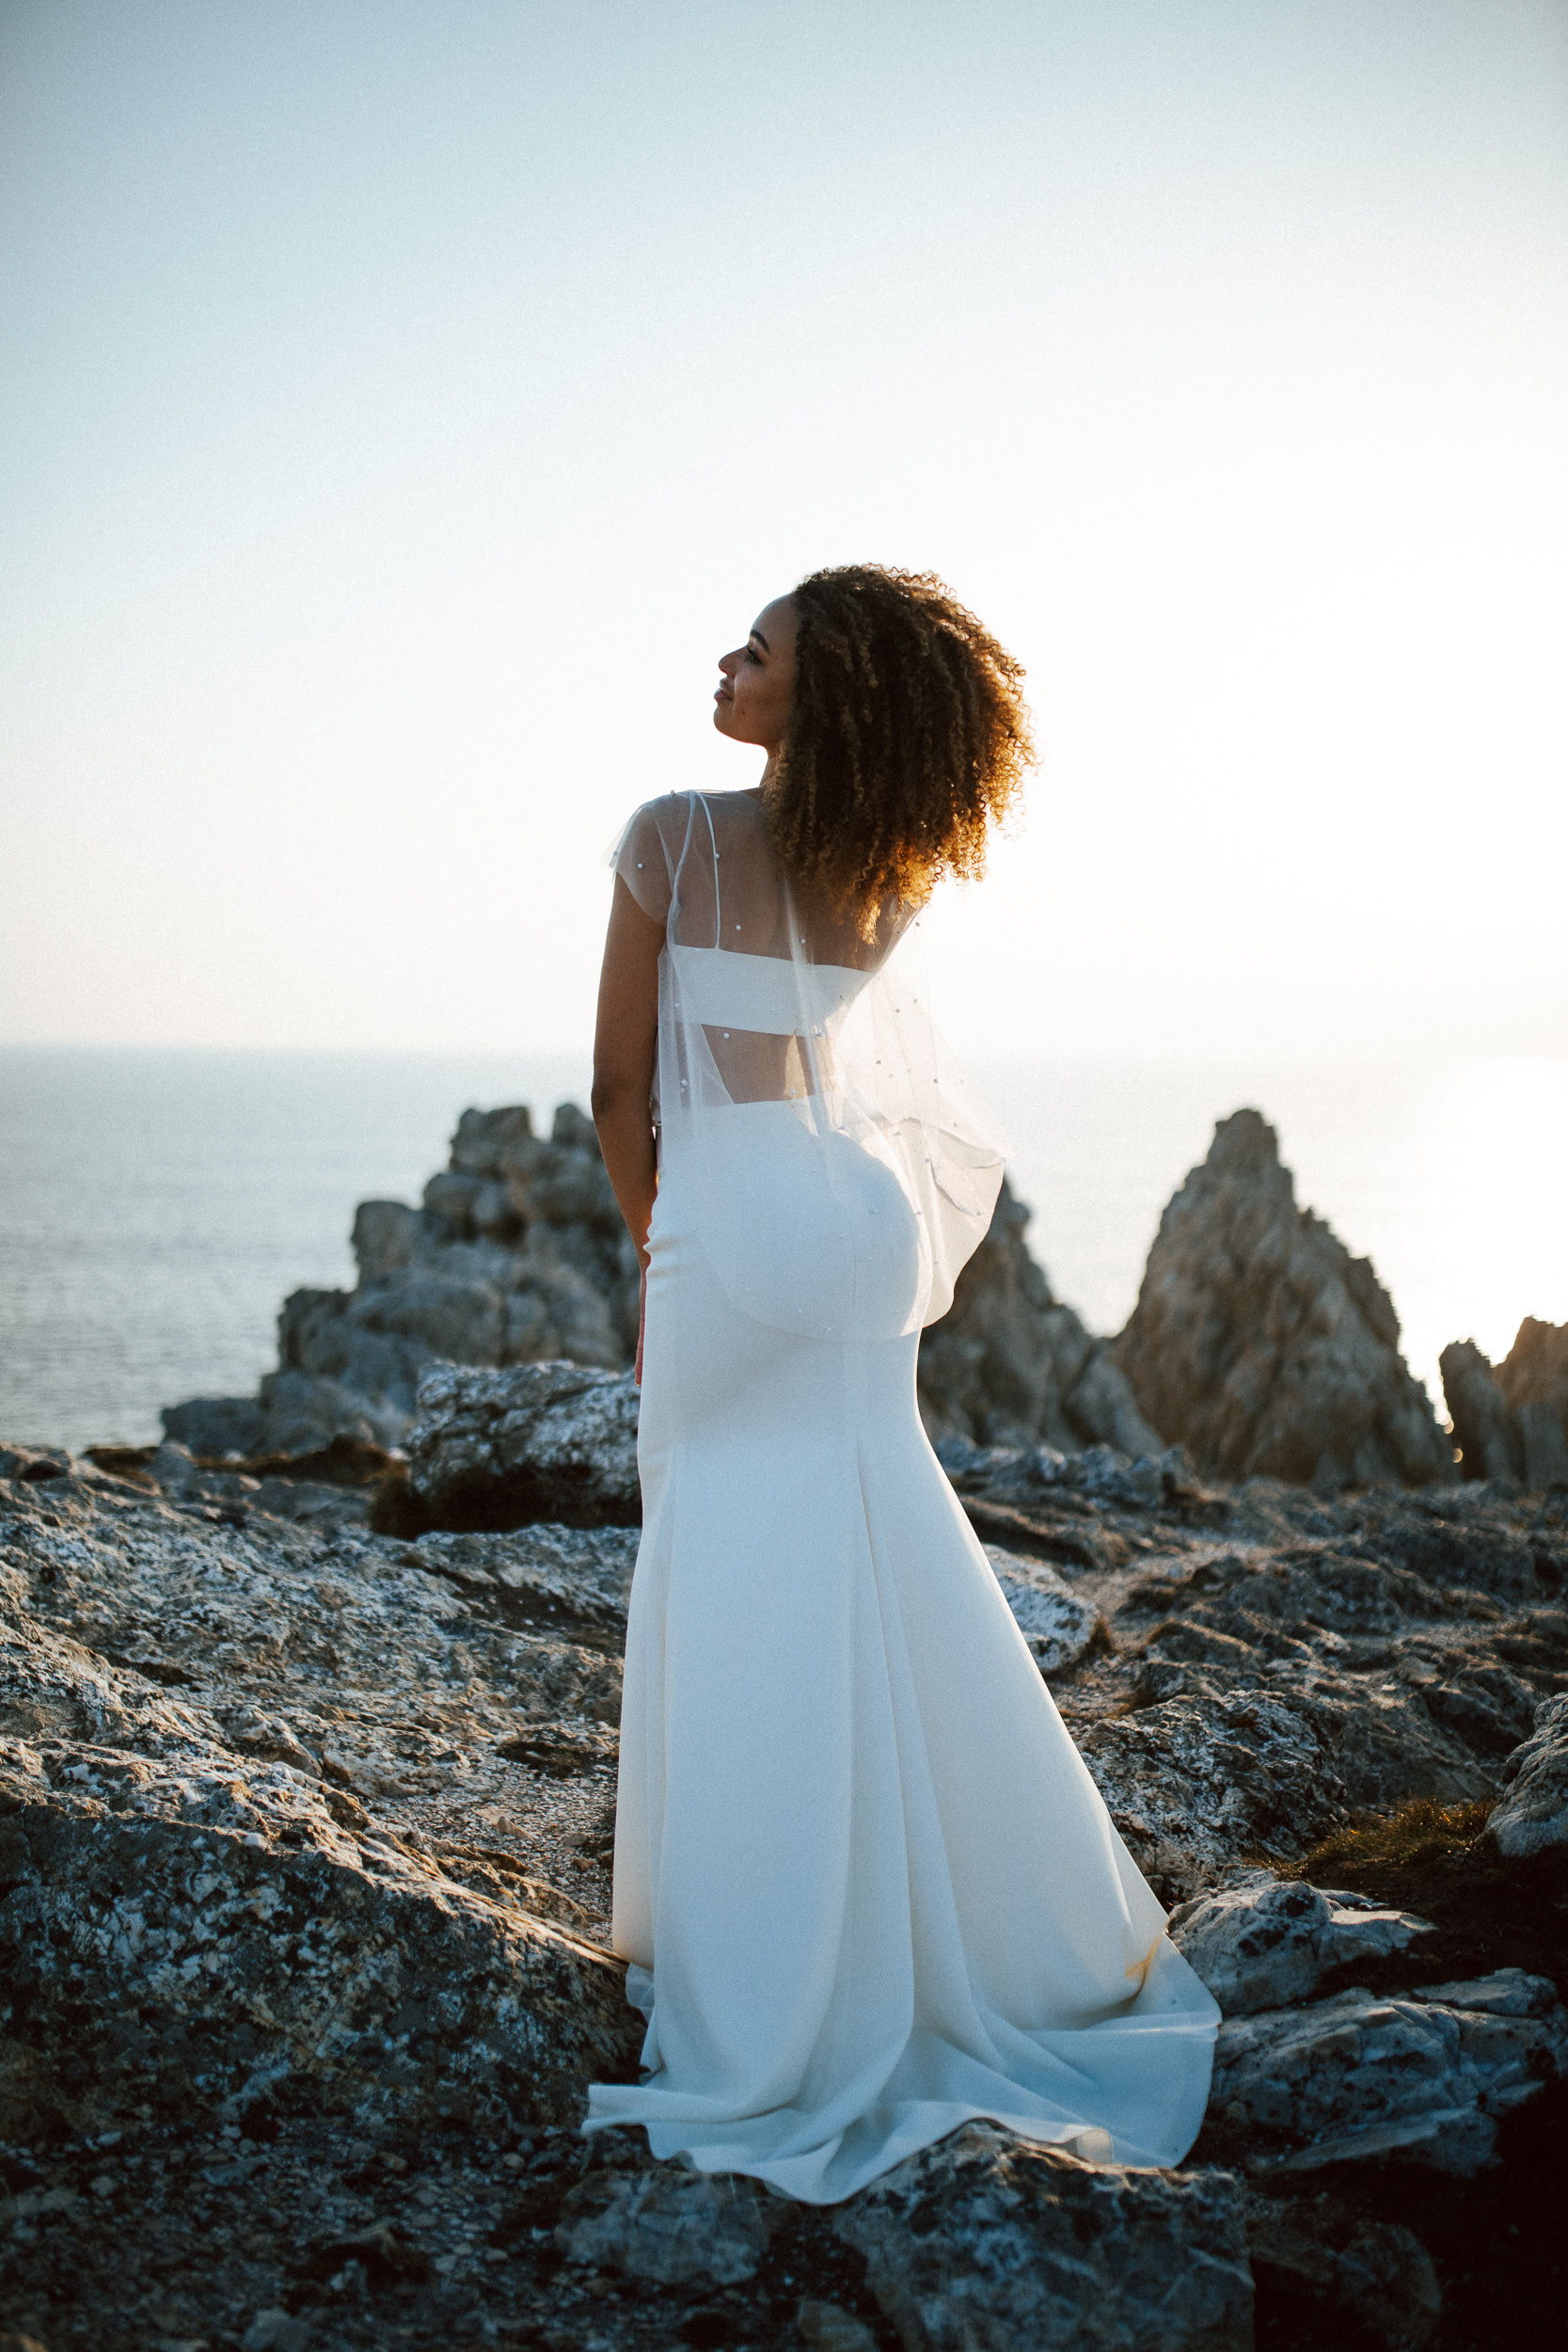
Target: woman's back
881,1180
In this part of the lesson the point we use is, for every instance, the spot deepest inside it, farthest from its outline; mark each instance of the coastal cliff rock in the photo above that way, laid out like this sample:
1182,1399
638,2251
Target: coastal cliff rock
1257,1342
1533,1815
546,1441
1262,1942
517,1256
1357,2079
1008,1364
1262,1345
305,1834
981,2240
1511,1421
1284,1660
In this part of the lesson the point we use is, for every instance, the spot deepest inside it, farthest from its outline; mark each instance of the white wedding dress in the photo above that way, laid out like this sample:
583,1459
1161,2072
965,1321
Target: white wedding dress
865,1883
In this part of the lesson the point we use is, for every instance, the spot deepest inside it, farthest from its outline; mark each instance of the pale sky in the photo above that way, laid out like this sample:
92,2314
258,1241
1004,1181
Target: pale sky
402,407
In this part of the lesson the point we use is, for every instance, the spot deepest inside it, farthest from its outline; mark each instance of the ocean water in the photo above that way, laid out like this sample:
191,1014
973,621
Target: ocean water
155,1207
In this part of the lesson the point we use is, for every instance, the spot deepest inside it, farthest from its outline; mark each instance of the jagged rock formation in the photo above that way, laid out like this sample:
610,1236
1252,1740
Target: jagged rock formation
517,1255
1257,1342
1013,2245
304,1845
1512,1422
546,1441
1264,1942
1262,1345
1284,1660
1009,1365
1356,2079
1533,1816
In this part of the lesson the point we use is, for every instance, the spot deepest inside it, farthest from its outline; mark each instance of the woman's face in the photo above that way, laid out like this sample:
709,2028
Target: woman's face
756,682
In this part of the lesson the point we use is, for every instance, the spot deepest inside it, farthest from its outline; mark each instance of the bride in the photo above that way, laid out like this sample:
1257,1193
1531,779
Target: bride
863,1881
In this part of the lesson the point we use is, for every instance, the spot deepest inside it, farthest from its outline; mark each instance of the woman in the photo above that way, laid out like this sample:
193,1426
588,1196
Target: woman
866,1885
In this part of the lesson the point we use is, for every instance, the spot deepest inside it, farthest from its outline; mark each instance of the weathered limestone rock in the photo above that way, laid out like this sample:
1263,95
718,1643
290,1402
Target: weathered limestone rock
1534,1813
1489,1444
519,1255
577,1577
1423,2077
1262,1345
186,1926
412,1744
1008,1364
544,1441
670,2224
1262,1942
1196,1785
982,2243
458,1698
1056,1622
403,1752
1283,1658
1512,1422
170,1939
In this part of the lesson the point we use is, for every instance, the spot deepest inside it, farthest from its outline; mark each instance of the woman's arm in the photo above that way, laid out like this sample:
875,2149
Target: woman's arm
625,1043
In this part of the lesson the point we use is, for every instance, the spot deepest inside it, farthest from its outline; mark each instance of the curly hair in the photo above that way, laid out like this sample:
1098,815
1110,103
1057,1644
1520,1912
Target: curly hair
906,740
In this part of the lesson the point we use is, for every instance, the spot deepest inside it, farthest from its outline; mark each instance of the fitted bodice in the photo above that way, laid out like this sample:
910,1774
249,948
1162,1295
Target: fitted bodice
726,989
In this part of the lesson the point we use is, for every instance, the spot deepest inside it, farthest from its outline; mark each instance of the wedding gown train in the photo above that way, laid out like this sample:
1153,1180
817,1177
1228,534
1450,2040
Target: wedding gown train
864,1883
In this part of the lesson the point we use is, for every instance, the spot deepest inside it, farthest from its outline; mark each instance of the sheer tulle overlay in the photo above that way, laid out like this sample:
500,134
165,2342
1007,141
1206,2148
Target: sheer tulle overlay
865,1883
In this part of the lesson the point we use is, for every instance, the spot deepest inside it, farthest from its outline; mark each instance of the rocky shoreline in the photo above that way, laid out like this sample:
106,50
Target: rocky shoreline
307,1793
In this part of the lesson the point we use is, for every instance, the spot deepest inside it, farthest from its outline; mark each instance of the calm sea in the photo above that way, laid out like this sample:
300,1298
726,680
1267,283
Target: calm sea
155,1207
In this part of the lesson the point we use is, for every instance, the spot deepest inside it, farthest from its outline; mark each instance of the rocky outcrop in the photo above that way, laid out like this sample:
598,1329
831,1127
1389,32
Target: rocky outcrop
983,2241
1262,1942
199,1916
1533,1816
1278,1662
546,1441
1488,1442
1355,2079
979,2240
519,1255
1258,1343
1008,1364
176,1945
1262,1345
1301,2085
1513,1422
1058,1624
304,1881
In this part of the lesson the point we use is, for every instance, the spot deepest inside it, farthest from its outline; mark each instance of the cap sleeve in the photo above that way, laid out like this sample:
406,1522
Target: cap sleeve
643,859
